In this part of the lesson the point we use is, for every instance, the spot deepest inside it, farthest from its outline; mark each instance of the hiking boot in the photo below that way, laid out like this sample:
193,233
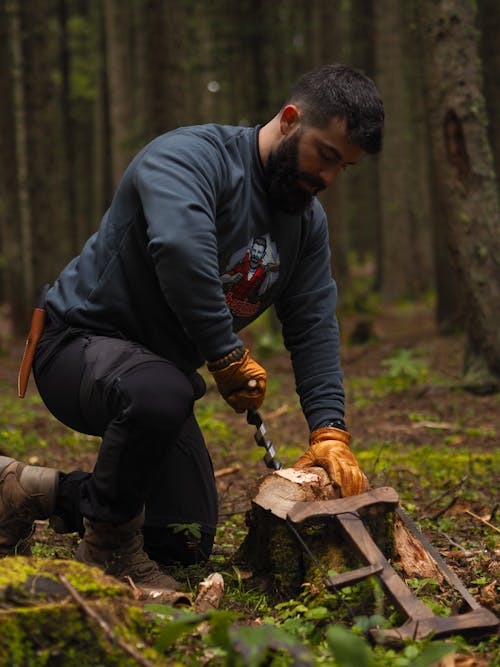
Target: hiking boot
118,550
26,493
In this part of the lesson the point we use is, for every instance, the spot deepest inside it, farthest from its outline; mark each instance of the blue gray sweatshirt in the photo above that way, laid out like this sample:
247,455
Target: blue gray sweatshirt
190,252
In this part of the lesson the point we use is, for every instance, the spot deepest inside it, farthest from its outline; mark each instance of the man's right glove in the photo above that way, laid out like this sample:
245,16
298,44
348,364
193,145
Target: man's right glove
242,383
329,449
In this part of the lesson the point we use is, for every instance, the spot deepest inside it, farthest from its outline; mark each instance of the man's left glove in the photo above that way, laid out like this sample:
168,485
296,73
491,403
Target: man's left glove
242,383
329,449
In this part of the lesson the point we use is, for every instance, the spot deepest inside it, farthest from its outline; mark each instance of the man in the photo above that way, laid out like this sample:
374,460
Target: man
143,306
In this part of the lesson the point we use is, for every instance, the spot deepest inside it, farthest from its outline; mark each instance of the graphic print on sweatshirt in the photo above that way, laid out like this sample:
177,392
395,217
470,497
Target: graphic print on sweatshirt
250,272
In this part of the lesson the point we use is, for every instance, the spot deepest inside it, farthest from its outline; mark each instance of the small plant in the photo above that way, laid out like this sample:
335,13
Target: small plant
404,369
191,531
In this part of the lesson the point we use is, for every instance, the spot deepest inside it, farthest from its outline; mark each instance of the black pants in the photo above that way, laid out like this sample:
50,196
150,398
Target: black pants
152,454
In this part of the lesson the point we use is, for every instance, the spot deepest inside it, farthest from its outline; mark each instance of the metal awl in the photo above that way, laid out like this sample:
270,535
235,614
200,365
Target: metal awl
254,418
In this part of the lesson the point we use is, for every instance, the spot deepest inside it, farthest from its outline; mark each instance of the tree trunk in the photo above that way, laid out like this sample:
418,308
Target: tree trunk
362,182
10,270
103,168
118,46
402,272
465,176
68,130
164,80
26,284
489,25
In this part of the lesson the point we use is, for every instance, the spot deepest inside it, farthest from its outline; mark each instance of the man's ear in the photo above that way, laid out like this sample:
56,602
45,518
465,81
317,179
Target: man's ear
289,118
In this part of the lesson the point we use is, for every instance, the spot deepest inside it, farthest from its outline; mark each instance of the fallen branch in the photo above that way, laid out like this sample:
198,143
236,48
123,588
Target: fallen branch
226,471
443,510
108,632
480,518
445,493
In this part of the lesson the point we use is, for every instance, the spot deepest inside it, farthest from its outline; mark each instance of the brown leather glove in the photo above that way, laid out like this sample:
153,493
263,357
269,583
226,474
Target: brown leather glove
233,382
329,449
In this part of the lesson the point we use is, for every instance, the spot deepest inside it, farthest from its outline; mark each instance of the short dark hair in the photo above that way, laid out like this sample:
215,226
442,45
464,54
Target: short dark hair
341,90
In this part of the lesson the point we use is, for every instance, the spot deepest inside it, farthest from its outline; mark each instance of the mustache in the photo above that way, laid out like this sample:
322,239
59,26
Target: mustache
315,181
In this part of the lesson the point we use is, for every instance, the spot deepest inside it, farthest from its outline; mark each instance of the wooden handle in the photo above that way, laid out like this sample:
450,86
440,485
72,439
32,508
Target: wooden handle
385,496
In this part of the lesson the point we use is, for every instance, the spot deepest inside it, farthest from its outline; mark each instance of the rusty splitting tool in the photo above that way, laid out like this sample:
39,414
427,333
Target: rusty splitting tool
421,621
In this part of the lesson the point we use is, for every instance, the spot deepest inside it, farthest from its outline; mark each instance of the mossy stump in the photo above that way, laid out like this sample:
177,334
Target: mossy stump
42,626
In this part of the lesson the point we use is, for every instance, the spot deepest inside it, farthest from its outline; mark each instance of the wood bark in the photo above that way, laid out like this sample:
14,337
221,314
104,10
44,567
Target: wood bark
466,177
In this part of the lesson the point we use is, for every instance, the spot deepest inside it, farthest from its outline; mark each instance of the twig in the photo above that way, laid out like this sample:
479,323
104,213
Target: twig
226,471
444,509
445,493
493,513
480,518
452,541
110,634
278,412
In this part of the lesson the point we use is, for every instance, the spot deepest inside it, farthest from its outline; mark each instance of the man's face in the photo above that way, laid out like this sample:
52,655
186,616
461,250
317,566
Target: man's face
306,161
257,252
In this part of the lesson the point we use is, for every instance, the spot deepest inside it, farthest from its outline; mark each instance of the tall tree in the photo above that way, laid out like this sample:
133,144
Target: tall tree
163,77
118,49
363,182
465,174
10,267
403,258
489,24
26,279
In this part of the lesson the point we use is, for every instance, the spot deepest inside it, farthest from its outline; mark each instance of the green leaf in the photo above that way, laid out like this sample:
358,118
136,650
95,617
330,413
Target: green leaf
349,650
176,628
434,652
317,613
253,644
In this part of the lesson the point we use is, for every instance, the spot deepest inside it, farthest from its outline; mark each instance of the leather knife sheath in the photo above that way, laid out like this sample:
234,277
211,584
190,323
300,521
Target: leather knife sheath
35,332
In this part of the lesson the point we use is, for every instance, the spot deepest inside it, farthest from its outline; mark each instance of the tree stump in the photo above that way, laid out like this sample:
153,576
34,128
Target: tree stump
57,612
271,548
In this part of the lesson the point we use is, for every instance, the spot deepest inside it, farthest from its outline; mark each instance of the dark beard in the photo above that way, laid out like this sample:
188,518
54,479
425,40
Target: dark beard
282,175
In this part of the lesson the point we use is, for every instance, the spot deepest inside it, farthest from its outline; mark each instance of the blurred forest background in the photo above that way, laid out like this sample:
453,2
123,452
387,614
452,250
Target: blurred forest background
85,83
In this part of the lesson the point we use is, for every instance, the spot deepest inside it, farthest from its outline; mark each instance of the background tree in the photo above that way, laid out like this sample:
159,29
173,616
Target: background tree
489,27
465,176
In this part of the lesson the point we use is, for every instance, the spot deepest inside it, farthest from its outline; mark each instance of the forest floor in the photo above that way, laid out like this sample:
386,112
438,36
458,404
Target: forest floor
413,428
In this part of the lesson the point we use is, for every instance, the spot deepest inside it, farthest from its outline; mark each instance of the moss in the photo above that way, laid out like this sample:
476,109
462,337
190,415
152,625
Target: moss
41,626
285,560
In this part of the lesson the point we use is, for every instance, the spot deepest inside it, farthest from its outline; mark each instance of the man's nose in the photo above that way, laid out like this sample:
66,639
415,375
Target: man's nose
329,176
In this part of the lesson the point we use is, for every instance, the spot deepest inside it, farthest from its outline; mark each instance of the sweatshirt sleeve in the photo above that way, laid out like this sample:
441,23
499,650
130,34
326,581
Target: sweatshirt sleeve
179,180
310,328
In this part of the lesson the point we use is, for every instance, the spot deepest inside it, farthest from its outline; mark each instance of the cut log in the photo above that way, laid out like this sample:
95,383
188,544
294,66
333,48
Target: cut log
272,549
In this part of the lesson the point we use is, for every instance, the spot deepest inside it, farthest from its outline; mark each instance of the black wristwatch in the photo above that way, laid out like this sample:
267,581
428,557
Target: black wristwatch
334,423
